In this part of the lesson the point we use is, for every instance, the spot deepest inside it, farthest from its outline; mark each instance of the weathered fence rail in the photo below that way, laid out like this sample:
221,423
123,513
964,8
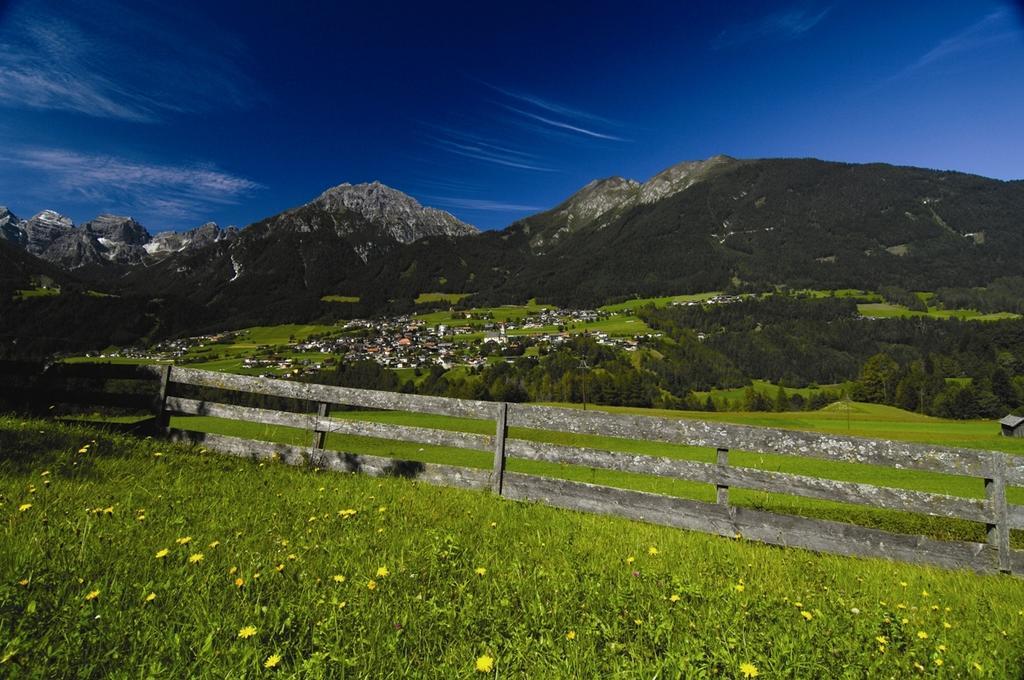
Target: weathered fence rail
997,470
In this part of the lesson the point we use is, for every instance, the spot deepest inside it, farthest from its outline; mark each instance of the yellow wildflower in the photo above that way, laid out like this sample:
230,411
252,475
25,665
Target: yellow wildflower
674,598
881,639
272,661
652,551
571,635
630,560
484,664
807,615
246,632
150,597
748,670
239,582
938,661
279,568
24,506
739,587
382,572
214,544
232,571
922,635
108,510
23,582
339,578
92,595
372,585
480,571
183,540
195,558
162,553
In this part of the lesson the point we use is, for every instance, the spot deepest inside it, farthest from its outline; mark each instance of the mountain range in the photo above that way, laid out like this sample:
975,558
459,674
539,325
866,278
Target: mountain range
720,223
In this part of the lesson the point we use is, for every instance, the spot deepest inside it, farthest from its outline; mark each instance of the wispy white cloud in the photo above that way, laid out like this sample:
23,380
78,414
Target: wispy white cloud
564,126
119,184
785,25
991,29
481,148
562,118
551,106
480,204
109,59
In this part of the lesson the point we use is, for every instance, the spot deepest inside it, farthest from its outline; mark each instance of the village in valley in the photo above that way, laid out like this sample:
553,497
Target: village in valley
469,338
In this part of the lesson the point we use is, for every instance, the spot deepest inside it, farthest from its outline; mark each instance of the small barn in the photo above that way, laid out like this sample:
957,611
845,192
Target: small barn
1013,426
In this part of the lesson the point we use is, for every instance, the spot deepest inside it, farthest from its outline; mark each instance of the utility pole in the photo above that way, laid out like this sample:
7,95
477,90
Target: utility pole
583,370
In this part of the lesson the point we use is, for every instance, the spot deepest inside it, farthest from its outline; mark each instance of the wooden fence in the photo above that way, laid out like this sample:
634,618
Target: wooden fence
998,470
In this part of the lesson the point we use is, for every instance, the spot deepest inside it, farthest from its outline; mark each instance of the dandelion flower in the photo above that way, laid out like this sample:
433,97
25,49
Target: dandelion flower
652,551
339,578
279,568
739,587
162,553
674,598
183,540
108,510
246,632
807,615
372,585
195,558
480,571
922,635
232,571
24,507
150,597
92,595
272,661
84,449
382,572
946,625
23,582
571,635
748,670
214,544
239,582
484,664
881,639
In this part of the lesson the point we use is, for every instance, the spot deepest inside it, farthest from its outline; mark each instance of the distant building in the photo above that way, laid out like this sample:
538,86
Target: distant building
1013,426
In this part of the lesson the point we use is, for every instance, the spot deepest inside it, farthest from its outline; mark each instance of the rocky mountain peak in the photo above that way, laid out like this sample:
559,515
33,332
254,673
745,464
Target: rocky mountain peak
118,229
43,228
10,227
597,198
398,215
680,177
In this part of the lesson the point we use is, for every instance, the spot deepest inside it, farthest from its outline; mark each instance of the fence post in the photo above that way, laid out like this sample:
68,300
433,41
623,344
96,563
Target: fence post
722,489
163,421
319,434
500,433
995,493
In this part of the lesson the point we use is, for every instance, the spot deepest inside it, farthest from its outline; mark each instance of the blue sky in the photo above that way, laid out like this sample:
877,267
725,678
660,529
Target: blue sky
179,113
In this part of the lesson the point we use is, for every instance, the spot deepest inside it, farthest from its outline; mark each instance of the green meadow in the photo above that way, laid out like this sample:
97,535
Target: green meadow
124,557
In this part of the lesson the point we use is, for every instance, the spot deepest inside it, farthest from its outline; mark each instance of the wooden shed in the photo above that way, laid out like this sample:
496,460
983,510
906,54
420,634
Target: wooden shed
1013,426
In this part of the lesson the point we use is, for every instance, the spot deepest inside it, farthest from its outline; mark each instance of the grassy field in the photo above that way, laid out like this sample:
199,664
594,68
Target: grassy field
25,293
452,298
631,305
340,298
885,310
736,394
131,558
